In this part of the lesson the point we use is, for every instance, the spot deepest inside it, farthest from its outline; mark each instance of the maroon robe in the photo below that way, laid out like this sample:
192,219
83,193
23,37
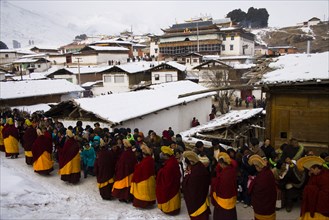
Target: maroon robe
263,192
13,131
104,169
70,149
316,194
225,186
40,145
29,137
124,167
168,182
143,171
197,181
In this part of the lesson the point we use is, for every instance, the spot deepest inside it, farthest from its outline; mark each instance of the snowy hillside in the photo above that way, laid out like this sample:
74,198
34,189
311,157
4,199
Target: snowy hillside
24,25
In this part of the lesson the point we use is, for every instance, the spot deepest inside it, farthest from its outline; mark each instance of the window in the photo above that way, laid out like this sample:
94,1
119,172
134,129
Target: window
223,47
232,37
107,78
6,55
157,77
68,59
168,78
231,47
195,60
224,37
156,50
119,79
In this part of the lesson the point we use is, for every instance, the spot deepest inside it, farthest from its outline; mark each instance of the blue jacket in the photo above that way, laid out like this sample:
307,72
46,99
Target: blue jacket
88,156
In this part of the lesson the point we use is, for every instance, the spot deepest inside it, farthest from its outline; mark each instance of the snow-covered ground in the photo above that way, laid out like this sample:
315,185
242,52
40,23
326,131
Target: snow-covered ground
27,195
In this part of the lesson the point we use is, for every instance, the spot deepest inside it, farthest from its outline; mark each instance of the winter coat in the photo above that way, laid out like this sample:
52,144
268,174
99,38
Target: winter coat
88,156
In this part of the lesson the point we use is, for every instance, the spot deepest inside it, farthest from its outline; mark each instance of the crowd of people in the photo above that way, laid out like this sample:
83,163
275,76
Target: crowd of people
154,169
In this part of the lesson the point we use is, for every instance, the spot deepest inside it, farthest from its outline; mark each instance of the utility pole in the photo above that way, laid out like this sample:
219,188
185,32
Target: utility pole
197,35
78,58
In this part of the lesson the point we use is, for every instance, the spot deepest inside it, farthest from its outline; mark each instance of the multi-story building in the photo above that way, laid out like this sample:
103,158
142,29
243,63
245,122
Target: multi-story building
207,37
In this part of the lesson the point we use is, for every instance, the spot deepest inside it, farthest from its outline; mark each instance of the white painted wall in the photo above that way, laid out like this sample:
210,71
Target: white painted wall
238,44
7,57
154,49
71,78
60,60
178,117
163,76
105,57
116,87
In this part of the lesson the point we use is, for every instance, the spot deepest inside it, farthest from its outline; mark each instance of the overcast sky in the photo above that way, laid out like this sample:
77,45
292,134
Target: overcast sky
110,17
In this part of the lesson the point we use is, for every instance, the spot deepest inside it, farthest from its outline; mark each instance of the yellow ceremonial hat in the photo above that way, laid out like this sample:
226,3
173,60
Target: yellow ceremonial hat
224,156
28,122
257,160
167,150
191,156
308,161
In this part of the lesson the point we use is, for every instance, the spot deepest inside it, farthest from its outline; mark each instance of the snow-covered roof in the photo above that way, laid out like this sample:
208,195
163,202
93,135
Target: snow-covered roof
242,65
31,76
235,57
298,67
281,47
139,45
88,84
176,65
86,70
135,67
30,88
33,108
31,60
210,57
107,48
7,51
112,41
124,106
233,117
221,21
229,28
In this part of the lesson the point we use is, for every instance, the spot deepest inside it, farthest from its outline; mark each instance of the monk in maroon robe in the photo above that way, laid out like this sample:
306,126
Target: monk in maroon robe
196,187
143,181
104,169
29,137
69,160
224,189
123,173
168,183
316,192
41,150
11,139
262,190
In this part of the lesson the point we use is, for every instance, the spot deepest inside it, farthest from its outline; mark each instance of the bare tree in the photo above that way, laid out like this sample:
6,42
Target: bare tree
219,78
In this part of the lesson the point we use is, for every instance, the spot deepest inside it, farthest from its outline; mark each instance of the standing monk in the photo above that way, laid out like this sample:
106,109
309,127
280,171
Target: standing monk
224,189
195,187
168,183
41,151
262,190
69,160
104,170
29,137
123,173
2,145
11,139
143,181
316,192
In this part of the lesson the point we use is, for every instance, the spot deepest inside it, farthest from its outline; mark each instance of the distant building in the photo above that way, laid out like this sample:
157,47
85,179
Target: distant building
30,65
154,47
16,44
281,50
312,21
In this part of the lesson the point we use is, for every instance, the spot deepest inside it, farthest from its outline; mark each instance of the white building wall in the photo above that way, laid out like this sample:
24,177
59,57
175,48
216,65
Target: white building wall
7,57
59,60
71,78
116,87
154,50
105,57
163,76
238,44
85,59
178,117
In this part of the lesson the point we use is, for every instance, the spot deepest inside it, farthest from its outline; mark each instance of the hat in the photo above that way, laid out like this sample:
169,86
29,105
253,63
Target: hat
126,143
167,150
191,156
39,132
10,121
69,133
308,161
28,122
204,160
257,160
145,149
101,143
224,156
